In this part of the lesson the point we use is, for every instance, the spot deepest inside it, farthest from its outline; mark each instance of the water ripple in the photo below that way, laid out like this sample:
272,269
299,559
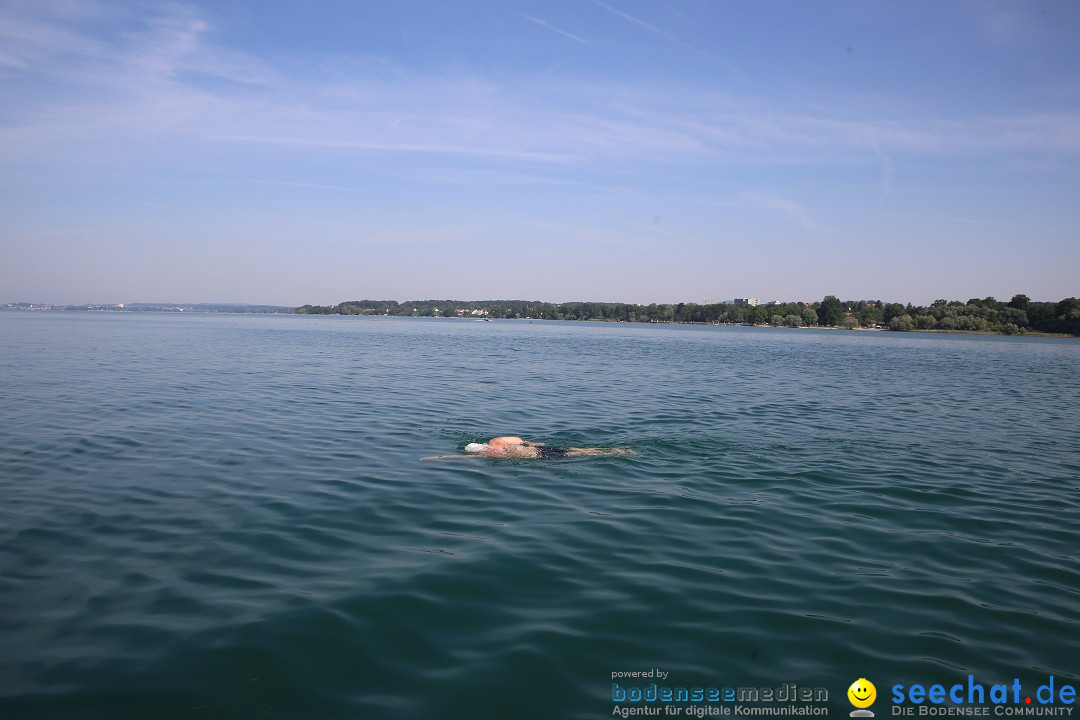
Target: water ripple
235,523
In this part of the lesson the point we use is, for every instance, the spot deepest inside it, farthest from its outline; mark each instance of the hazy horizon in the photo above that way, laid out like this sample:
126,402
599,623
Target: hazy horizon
709,301
602,151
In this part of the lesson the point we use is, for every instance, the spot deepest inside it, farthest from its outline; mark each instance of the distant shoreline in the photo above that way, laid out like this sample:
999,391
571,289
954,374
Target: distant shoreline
1020,316
176,311
154,307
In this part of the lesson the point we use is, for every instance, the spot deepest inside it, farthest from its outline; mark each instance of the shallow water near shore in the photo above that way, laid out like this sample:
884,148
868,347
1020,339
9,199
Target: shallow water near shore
218,516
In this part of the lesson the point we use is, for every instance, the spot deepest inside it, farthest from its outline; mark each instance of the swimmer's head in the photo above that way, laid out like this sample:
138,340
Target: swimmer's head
477,447
505,441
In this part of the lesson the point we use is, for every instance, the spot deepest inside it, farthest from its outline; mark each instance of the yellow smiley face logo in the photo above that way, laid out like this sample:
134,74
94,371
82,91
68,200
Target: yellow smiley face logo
862,693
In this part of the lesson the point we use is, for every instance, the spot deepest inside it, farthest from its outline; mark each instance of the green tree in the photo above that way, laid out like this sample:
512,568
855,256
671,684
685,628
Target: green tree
1020,302
831,312
923,321
869,315
902,323
1014,316
1067,306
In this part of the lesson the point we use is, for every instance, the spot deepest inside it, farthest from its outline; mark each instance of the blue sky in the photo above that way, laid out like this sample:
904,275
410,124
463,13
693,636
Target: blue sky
690,150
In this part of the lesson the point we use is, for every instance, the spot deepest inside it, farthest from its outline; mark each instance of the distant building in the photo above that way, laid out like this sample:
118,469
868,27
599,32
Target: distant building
746,302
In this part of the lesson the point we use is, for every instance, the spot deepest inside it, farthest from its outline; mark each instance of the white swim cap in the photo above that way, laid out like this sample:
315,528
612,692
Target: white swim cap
476,447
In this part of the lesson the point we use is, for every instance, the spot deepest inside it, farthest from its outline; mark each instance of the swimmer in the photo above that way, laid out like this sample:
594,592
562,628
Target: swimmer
510,446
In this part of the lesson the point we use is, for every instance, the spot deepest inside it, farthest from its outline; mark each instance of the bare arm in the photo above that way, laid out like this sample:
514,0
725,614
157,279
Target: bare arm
451,457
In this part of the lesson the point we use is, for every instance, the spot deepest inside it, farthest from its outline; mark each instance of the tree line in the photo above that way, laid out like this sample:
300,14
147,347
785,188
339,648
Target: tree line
1017,316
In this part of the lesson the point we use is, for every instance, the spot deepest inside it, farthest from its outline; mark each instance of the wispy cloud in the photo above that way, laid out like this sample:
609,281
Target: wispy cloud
315,186
785,206
800,212
593,233
470,150
1003,23
549,26
886,175
667,36
938,218
85,95
504,177
108,104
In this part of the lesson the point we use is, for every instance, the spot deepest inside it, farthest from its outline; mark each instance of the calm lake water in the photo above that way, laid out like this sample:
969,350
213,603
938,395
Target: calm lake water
214,516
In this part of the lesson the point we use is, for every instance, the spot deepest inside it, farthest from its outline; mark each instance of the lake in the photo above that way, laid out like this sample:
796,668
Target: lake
226,516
